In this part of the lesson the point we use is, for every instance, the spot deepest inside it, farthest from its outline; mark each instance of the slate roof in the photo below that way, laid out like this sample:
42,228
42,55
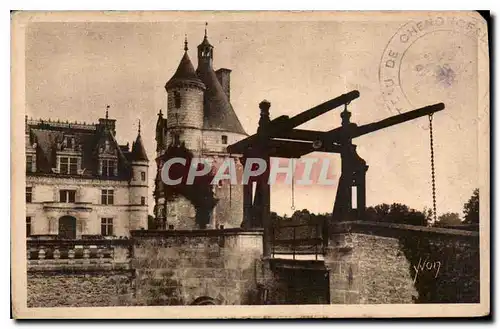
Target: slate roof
218,113
185,73
138,151
47,136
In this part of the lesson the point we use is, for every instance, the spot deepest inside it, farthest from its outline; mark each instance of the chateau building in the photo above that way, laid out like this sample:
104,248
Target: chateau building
80,182
201,119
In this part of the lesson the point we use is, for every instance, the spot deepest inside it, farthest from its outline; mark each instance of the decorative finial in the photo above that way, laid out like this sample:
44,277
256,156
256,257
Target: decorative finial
186,42
265,105
107,109
206,25
139,130
345,115
160,113
264,114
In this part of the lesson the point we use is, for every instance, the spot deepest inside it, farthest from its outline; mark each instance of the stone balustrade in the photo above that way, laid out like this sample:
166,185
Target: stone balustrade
86,255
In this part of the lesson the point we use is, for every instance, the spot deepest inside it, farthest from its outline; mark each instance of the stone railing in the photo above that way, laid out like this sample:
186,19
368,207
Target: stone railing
86,255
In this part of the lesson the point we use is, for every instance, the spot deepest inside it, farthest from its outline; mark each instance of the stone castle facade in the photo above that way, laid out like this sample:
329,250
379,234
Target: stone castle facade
201,119
80,182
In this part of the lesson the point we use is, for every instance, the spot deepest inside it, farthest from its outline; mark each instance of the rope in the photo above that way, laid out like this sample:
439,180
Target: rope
433,173
230,185
293,185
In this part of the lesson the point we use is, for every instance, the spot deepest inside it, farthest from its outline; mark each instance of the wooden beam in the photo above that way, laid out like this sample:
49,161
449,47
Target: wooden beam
296,149
284,123
301,134
335,134
397,119
321,109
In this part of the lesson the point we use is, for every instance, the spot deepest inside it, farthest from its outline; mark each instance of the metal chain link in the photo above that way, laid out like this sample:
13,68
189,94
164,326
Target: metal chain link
433,173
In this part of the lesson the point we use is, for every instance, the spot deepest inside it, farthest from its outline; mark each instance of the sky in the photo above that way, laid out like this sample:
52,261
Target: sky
73,70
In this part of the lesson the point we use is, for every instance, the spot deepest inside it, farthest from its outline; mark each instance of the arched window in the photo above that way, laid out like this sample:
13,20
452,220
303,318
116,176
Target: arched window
205,300
177,99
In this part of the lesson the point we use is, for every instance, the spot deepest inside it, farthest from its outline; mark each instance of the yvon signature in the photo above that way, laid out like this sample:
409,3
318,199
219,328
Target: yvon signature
427,266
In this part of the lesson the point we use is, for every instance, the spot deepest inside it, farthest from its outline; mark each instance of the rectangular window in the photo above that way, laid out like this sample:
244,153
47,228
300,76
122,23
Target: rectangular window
64,165
143,201
177,99
224,139
143,176
354,197
108,167
68,166
107,197
73,166
29,194
29,163
67,196
28,226
106,226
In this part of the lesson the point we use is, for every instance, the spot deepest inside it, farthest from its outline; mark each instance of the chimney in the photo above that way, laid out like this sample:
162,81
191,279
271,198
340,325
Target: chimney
224,77
110,123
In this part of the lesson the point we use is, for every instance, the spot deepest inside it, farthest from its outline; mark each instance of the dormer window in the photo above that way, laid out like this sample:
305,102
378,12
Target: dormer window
108,167
108,159
177,99
69,157
68,165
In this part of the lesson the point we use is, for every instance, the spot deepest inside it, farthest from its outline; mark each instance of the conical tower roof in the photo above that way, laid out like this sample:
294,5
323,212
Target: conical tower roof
138,151
185,73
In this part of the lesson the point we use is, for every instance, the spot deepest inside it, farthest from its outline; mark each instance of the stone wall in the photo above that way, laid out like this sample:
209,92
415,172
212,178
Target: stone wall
178,267
212,141
376,263
364,263
79,289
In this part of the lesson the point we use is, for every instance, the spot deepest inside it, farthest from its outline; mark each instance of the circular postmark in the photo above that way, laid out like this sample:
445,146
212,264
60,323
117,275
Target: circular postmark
435,59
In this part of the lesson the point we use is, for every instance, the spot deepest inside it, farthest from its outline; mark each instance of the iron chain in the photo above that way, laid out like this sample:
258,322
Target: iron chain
433,173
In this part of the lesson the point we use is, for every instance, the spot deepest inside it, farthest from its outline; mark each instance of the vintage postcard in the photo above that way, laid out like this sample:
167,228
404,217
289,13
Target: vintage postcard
252,164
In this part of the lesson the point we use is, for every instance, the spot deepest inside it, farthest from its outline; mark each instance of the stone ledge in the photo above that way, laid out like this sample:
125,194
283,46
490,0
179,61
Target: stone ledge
399,230
81,272
207,232
33,243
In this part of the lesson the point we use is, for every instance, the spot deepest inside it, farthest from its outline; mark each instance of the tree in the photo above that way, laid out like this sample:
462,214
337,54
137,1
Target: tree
396,213
471,209
448,219
200,193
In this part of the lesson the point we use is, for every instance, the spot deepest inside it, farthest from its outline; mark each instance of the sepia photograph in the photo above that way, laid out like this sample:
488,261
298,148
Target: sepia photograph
253,164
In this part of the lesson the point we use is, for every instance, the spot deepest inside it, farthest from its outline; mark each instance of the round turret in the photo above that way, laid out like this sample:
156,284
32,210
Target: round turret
185,93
